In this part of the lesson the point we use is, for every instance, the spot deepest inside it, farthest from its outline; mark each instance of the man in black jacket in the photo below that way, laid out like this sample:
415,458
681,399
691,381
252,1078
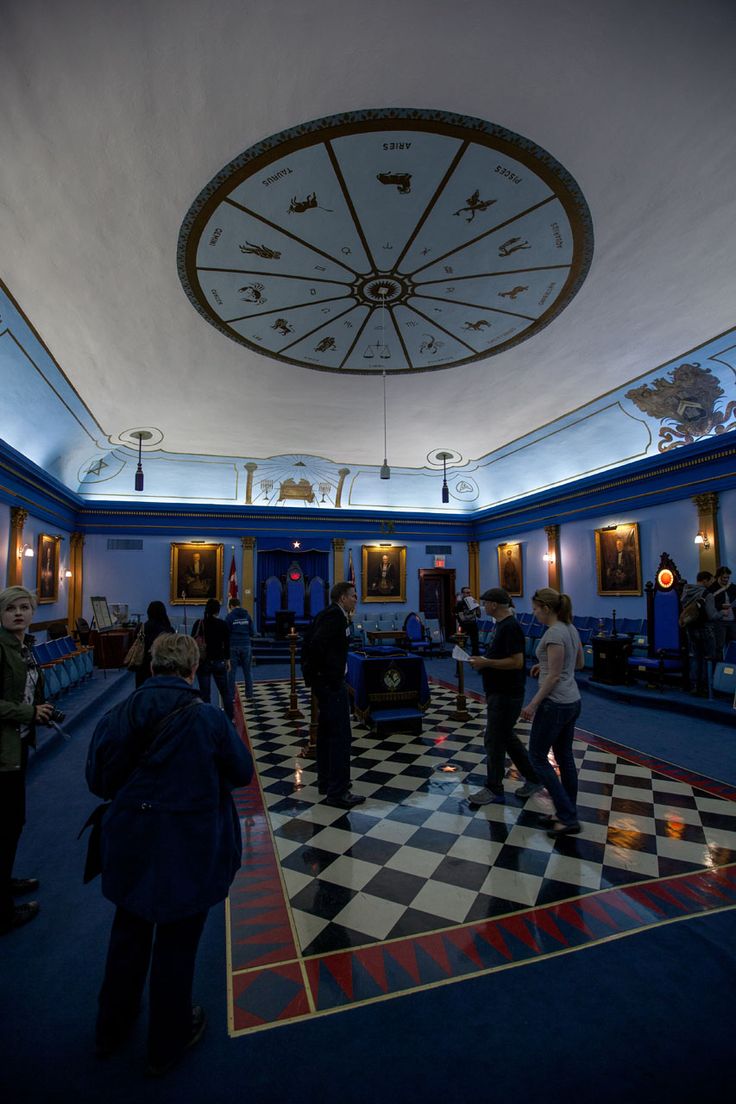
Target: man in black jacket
329,649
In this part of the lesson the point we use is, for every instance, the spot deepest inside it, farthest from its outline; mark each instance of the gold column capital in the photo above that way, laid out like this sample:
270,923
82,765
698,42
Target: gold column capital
552,531
706,503
247,543
76,540
18,517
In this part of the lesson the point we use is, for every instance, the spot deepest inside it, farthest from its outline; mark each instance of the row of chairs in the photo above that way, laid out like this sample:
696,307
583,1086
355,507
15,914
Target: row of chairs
63,663
724,672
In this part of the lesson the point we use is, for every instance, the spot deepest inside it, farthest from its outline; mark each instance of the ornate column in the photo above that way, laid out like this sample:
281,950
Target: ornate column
250,468
707,504
76,583
342,473
15,550
474,568
554,574
338,560
248,574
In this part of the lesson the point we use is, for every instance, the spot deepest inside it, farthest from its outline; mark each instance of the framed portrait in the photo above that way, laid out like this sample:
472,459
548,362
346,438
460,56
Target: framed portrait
196,573
384,573
510,573
617,559
47,578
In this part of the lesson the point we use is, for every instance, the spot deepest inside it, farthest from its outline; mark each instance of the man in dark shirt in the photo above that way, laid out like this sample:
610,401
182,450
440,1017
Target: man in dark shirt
329,649
504,681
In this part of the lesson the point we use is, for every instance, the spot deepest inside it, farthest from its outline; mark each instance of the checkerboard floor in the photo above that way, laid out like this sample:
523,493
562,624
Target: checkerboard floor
416,857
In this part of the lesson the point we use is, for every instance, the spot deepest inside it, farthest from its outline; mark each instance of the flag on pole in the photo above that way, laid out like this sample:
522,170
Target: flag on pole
351,569
232,587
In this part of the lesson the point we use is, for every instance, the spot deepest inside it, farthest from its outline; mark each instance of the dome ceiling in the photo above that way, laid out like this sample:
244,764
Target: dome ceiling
393,240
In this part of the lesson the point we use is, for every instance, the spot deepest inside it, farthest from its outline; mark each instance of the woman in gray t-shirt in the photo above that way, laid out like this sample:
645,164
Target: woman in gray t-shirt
555,707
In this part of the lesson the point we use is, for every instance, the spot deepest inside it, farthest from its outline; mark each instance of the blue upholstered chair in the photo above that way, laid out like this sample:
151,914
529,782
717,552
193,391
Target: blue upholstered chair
417,642
316,595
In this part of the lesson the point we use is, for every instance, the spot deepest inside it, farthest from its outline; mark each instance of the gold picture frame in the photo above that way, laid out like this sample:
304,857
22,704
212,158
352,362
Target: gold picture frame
47,568
510,569
618,559
383,577
196,573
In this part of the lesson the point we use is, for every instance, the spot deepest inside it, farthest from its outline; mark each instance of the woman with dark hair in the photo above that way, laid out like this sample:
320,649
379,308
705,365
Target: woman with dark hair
215,663
157,623
555,707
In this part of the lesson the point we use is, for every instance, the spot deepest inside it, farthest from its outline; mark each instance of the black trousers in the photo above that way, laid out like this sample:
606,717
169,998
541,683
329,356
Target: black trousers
171,950
334,736
470,628
12,819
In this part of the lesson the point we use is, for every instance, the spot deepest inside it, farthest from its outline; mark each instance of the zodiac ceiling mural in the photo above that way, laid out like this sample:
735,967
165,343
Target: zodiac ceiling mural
395,240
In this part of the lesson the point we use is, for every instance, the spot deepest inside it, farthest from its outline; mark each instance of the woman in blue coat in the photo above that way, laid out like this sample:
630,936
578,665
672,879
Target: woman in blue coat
171,846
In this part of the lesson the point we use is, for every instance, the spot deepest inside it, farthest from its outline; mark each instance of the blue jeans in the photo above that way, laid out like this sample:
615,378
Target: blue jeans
215,670
241,657
554,727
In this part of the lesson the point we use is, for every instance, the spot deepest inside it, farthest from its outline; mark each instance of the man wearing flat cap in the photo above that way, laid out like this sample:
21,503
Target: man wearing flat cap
504,681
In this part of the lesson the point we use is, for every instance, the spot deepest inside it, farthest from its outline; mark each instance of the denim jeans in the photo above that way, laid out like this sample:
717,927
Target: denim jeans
554,727
241,657
215,670
500,740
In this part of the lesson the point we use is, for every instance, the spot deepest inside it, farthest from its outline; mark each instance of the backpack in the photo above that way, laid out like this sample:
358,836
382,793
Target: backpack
308,659
692,614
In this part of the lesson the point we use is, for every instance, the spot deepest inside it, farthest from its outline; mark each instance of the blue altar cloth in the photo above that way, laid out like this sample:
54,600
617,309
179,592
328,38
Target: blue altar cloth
388,687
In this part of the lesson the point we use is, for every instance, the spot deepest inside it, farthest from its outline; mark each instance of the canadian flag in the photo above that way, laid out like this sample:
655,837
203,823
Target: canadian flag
232,586
351,569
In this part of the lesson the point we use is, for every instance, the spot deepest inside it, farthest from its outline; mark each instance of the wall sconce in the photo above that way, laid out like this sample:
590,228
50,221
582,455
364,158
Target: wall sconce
702,539
67,574
26,551
548,557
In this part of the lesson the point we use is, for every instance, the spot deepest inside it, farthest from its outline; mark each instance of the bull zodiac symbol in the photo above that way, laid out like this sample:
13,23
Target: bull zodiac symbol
252,293
512,246
282,326
513,292
401,180
474,205
479,325
263,251
299,206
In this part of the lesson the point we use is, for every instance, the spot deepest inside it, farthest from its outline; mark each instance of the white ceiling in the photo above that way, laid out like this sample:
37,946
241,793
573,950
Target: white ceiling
114,116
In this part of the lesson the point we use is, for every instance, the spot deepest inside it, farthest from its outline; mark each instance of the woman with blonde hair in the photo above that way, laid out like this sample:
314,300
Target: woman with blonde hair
21,709
555,707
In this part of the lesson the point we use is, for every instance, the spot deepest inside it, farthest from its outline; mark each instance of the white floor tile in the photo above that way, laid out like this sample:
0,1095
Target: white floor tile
413,860
372,915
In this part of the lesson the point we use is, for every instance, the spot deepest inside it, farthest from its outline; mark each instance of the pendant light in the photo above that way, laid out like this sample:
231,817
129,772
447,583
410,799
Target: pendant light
385,469
140,435
444,457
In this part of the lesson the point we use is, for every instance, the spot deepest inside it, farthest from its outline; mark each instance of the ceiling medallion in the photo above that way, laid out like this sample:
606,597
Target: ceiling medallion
394,240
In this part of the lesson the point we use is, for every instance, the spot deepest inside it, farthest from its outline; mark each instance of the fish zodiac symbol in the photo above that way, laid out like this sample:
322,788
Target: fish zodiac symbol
513,292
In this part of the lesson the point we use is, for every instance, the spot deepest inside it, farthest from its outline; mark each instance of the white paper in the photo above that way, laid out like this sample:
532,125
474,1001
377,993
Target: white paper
472,603
459,653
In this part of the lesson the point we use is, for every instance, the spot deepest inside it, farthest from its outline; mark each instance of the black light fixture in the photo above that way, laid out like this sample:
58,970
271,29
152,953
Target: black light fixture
444,457
140,435
385,469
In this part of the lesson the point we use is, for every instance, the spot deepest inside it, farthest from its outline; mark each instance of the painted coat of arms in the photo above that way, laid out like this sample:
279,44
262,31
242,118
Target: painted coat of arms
686,404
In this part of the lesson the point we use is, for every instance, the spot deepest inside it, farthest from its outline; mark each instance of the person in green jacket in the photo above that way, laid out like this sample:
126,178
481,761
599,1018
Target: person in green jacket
21,708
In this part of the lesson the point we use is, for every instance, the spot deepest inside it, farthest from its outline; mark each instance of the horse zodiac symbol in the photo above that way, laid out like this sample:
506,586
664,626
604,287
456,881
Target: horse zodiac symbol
401,180
253,293
513,292
260,251
299,206
475,204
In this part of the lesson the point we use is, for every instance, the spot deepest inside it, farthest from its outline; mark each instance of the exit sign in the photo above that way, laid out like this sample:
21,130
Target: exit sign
439,561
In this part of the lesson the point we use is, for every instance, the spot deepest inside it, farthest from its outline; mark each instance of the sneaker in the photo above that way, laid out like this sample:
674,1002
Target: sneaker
529,789
484,797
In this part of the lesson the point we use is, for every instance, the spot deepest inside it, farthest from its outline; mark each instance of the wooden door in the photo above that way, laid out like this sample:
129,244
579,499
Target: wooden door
437,596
